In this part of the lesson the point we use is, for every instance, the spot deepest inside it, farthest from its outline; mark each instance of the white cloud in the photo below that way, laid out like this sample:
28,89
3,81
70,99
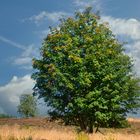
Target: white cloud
86,3
12,43
10,93
43,16
44,33
25,59
127,27
134,52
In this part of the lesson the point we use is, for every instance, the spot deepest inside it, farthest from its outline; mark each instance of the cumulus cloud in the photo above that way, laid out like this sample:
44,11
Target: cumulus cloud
127,27
134,52
129,30
11,92
44,15
25,59
28,52
86,3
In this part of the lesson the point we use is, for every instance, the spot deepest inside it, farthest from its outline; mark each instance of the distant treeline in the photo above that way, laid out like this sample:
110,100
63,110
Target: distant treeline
5,116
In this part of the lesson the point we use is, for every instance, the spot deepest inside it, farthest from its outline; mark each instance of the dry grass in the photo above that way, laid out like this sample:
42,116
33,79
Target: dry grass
116,136
54,131
36,133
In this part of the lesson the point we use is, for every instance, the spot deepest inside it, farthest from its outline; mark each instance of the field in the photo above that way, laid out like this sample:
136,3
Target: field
44,129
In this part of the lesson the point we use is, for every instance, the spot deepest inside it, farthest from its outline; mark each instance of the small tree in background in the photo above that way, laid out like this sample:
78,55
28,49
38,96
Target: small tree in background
27,106
84,74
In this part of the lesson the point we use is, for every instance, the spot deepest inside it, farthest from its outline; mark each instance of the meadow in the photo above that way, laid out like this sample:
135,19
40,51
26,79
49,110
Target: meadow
43,129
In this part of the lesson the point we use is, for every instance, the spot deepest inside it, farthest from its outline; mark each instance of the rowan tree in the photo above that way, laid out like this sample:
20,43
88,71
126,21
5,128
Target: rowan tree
84,74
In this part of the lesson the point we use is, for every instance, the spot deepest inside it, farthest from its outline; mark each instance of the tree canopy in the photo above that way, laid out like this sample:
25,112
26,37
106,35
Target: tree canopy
27,106
84,73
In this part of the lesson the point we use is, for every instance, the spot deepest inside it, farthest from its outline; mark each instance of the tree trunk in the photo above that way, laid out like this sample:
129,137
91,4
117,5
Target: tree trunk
89,129
82,123
97,129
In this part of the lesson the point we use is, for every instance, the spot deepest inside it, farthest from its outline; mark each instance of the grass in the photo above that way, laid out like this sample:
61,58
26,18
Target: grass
28,132
34,133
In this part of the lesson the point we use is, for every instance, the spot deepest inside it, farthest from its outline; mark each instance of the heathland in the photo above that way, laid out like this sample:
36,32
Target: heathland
46,129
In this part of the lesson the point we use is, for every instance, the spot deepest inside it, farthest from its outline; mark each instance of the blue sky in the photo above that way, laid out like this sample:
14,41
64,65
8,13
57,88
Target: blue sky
24,24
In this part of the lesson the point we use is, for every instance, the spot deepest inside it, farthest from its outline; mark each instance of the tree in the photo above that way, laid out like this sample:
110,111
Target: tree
28,106
85,75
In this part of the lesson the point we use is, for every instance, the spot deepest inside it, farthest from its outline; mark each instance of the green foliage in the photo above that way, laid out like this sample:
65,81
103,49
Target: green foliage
5,116
85,75
28,106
